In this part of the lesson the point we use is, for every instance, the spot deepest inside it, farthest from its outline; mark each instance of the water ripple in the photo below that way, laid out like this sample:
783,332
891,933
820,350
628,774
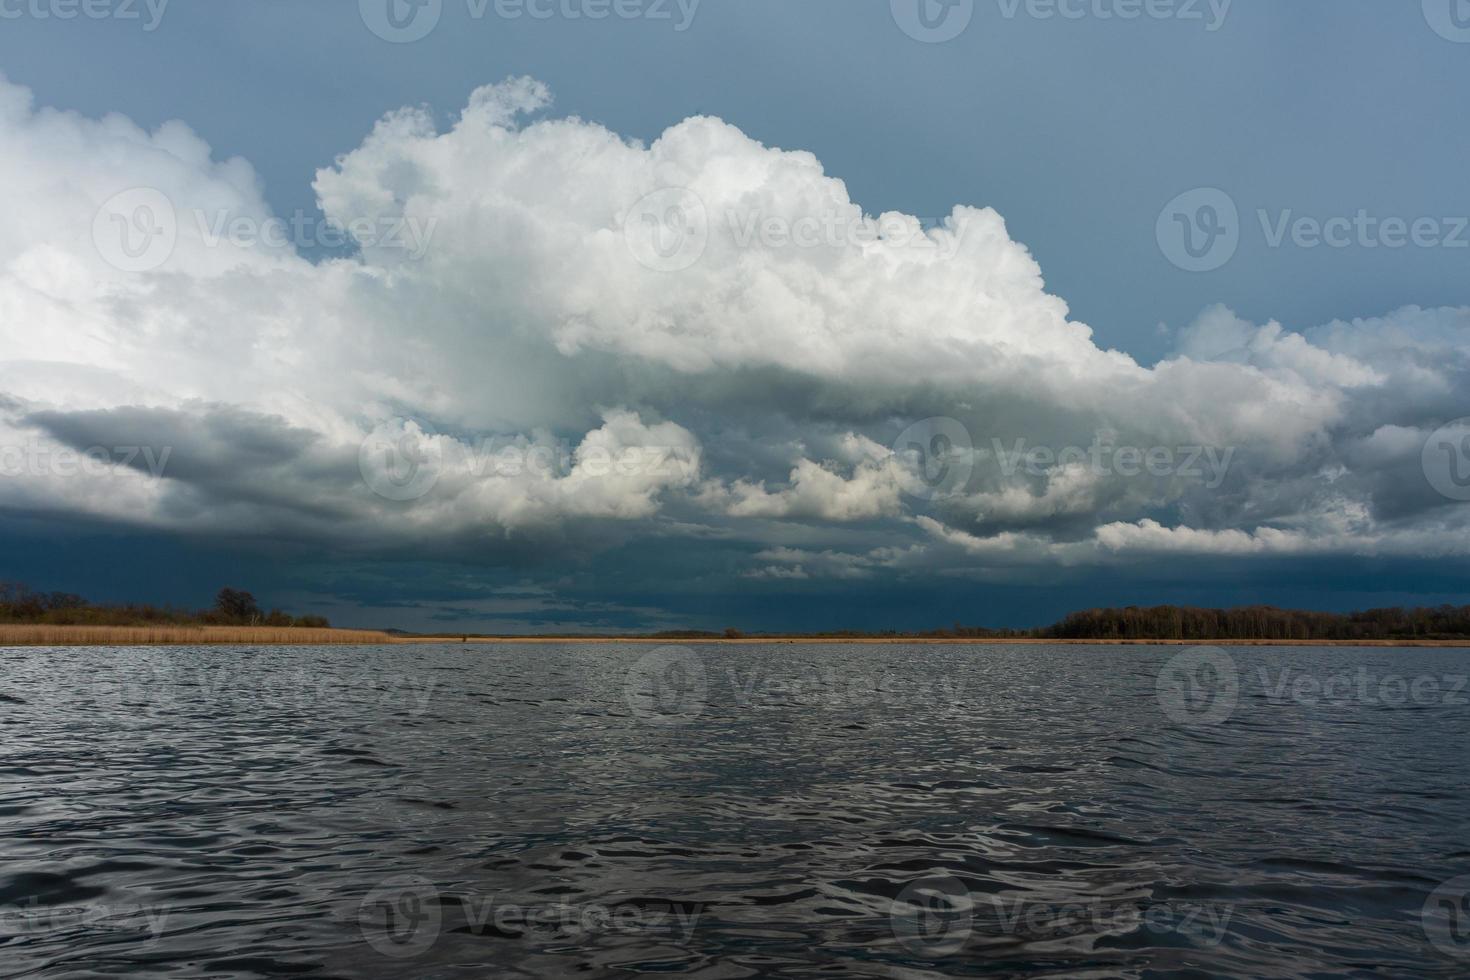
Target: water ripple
878,811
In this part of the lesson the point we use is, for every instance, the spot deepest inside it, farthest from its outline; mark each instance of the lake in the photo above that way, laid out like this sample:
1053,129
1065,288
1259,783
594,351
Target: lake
734,811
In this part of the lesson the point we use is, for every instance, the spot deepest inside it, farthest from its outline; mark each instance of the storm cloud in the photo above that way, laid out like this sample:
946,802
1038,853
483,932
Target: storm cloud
552,340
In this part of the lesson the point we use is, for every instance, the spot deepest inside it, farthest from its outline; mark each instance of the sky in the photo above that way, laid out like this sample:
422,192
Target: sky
780,315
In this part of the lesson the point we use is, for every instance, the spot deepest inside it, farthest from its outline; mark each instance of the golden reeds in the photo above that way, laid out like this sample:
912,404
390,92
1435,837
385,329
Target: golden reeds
44,635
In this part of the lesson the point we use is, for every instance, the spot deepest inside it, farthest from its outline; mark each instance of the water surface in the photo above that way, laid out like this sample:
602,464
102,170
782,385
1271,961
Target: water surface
733,811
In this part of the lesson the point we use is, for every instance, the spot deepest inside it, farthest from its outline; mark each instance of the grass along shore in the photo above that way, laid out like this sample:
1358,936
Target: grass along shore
31,618
44,635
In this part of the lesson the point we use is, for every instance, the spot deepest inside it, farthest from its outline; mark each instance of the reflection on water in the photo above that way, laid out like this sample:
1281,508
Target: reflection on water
733,811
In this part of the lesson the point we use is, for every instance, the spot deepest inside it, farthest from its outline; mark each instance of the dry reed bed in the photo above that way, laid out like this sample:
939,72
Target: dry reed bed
42,635
928,640
38,635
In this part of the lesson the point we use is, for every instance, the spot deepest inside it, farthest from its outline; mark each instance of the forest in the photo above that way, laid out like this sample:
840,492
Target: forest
232,607
1263,623
1191,623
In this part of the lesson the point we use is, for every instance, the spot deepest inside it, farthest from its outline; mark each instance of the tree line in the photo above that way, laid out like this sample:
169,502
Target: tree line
1264,623
232,607
1191,623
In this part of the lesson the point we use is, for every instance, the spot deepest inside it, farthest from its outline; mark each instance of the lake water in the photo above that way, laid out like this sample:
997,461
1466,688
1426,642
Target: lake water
734,811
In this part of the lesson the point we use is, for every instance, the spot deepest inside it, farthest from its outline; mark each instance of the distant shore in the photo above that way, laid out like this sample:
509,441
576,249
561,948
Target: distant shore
987,641
43,635
24,634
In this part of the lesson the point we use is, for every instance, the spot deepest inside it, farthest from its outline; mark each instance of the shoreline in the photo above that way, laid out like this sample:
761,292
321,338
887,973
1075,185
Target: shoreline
40,635
938,641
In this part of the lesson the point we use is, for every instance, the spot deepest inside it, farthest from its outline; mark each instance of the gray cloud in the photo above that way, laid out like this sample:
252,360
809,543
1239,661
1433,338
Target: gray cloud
542,388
